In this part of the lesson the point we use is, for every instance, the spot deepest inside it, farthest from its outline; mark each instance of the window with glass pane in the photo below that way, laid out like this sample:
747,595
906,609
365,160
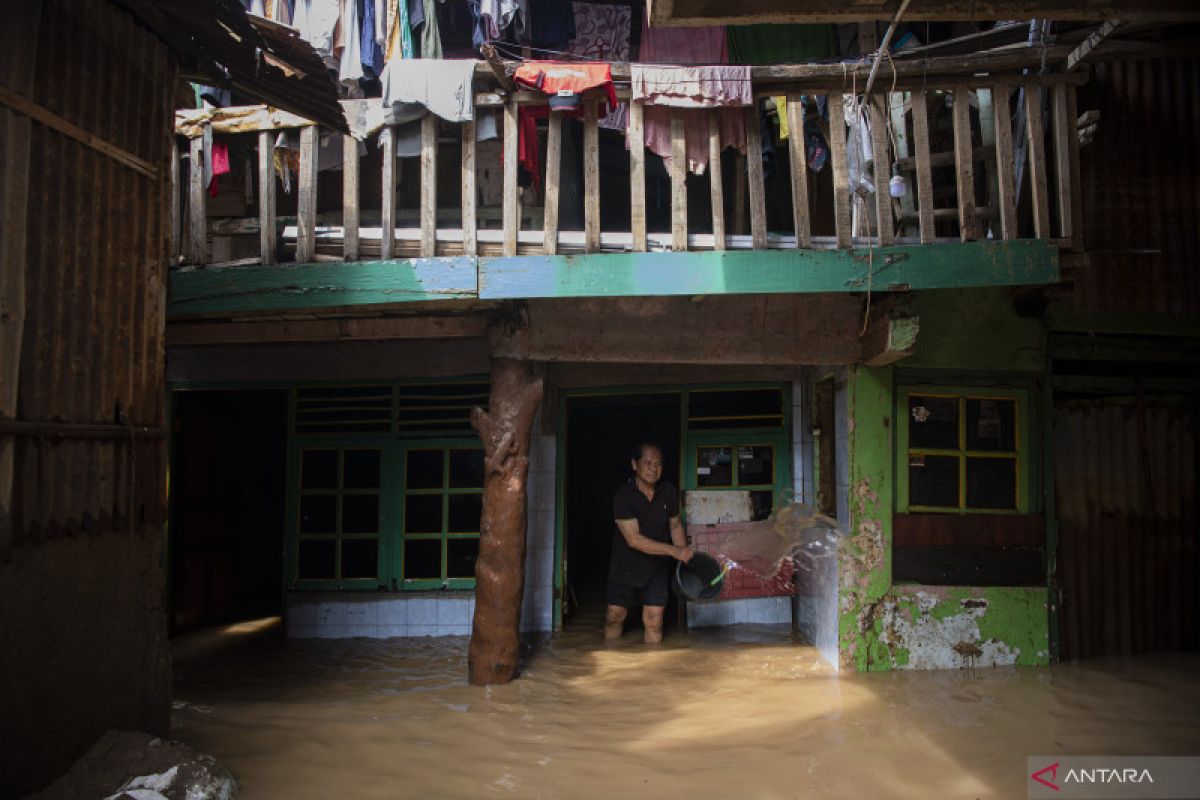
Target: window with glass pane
443,501
338,520
739,466
962,452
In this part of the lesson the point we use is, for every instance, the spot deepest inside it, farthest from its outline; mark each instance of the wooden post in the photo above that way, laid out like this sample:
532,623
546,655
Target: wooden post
470,240
1066,154
1005,186
429,131
306,199
896,101
1036,136
512,222
679,221
716,181
387,208
197,204
987,139
841,168
176,240
968,222
798,161
637,176
920,112
350,215
500,568
882,170
591,177
757,186
553,173
266,197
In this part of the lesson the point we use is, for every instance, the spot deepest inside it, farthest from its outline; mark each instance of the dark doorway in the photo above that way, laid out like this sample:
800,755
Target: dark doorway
228,477
601,433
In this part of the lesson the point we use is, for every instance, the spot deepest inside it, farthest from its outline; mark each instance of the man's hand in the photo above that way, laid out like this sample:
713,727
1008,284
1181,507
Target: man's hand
684,554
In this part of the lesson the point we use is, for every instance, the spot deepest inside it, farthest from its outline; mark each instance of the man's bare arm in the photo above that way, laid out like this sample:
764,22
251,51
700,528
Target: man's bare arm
634,538
680,539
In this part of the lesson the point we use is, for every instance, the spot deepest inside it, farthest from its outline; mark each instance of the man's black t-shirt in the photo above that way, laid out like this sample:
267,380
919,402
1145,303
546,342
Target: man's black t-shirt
633,567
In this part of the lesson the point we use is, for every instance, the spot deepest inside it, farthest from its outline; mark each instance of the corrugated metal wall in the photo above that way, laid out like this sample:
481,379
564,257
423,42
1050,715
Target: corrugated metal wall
1125,476
1141,184
95,257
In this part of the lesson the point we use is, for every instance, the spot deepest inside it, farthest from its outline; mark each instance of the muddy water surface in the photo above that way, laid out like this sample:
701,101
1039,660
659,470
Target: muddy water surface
746,712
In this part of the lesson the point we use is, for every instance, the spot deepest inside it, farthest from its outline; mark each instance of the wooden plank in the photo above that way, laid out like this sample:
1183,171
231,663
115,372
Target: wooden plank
841,169
987,137
964,165
882,170
197,204
266,197
1036,138
350,191
679,221
1006,188
1089,44
798,162
511,220
306,198
387,208
1064,130
470,242
888,340
591,177
176,223
429,132
637,176
757,186
896,105
716,180
924,174
553,176
443,326
1076,173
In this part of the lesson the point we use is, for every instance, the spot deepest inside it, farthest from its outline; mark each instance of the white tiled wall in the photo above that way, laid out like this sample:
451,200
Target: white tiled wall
537,613
336,616
761,610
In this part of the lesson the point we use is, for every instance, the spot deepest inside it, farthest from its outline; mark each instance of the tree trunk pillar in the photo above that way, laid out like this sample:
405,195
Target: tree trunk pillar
500,568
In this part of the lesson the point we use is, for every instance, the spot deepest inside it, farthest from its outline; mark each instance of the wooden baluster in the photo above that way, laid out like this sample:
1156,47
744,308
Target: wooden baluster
920,112
470,238
896,102
512,221
176,239
716,185
429,134
591,176
266,196
841,168
882,170
1036,137
553,176
798,161
1066,144
350,213
387,208
964,165
757,185
1005,186
637,177
306,199
197,204
679,222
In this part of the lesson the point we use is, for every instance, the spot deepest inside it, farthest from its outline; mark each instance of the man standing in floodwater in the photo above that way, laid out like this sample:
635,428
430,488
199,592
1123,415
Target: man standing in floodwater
649,536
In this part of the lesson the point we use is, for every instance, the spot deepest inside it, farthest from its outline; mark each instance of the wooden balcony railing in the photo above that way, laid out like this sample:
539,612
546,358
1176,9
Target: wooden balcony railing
1010,139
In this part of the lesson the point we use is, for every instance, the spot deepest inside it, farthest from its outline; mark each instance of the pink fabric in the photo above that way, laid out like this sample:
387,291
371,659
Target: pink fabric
683,45
220,166
602,34
691,87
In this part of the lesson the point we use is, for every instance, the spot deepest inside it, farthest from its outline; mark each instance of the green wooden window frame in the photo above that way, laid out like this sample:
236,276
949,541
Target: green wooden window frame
908,456
780,487
446,492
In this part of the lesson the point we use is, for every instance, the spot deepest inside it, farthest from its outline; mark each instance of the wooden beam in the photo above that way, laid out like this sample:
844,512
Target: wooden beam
350,191
1089,44
512,221
197,334
889,340
716,180
679,220
637,176
266,197
197,204
964,165
1064,132
920,112
757,183
1076,172
1036,138
798,162
176,188
429,133
306,198
746,12
841,169
553,173
387,209
1006,188
882,169
896,104
470,241
591,176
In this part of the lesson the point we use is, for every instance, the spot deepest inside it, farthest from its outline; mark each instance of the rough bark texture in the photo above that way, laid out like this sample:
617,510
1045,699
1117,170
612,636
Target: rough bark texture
500,568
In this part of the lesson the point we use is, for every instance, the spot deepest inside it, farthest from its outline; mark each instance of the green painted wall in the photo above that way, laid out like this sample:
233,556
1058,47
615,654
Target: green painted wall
975,329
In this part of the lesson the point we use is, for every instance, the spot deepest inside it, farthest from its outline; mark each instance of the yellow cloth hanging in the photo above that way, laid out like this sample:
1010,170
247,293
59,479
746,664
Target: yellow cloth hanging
781,111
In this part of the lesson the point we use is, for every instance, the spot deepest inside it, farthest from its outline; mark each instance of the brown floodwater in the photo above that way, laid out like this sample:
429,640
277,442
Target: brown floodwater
742,712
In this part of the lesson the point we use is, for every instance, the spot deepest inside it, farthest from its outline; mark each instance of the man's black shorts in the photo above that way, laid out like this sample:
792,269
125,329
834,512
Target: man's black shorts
654,592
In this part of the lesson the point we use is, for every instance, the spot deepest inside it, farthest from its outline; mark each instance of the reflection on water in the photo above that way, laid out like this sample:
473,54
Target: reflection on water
746,712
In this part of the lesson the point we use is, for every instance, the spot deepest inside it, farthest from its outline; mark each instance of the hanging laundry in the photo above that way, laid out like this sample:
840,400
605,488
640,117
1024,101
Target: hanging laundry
350,68
279,11
492,18
220,166
443,86
566,81
602,34
371,39
317,23
551,25
399,38
816,149
691,87
705,45
422,15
